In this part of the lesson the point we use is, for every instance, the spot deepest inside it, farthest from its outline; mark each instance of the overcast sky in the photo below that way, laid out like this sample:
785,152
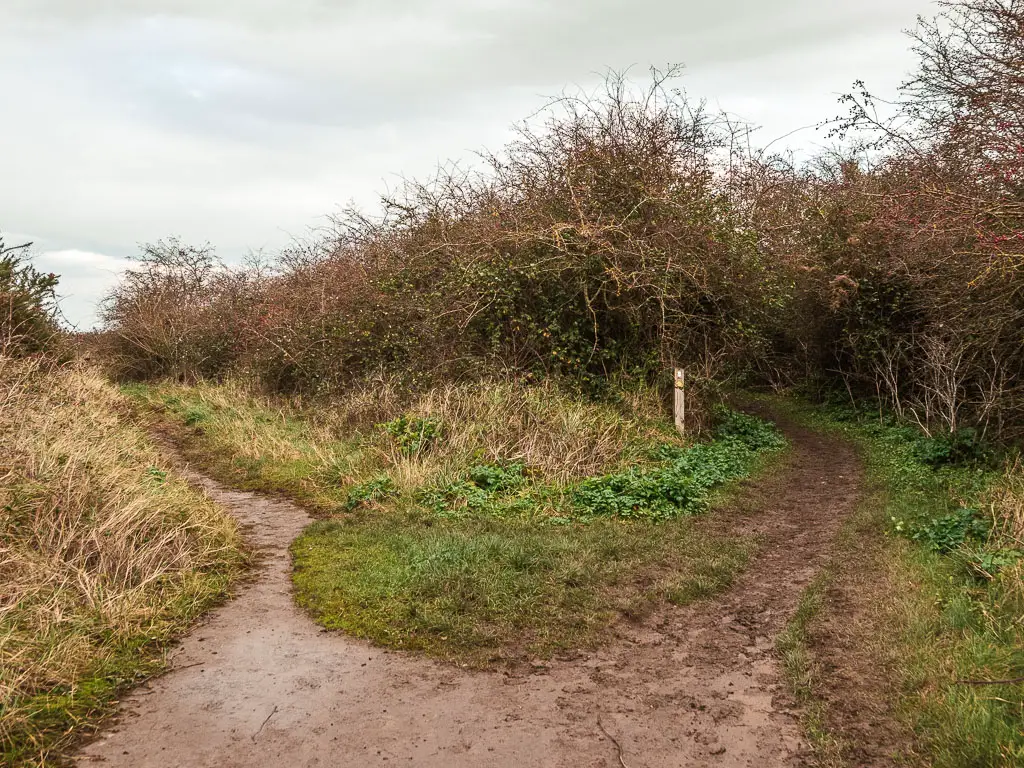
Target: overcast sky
244,122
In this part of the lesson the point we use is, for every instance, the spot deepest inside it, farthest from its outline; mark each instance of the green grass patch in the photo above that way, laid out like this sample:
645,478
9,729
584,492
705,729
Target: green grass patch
799,667
953,609
484,590
471,540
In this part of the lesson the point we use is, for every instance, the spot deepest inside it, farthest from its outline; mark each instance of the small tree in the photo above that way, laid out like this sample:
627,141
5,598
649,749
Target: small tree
156,311
28,303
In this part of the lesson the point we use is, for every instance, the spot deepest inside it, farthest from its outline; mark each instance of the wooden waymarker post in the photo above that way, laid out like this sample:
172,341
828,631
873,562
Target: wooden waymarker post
679,405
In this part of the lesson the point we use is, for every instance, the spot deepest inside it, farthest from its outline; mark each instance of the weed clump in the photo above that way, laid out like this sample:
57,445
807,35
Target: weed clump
413,435
683,483
377,488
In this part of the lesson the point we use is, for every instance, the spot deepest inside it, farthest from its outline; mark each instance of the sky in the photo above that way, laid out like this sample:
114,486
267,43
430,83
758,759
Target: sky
243,123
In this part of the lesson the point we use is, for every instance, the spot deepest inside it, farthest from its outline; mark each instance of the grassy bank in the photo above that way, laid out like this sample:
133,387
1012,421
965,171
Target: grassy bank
104,556
481,523
919,616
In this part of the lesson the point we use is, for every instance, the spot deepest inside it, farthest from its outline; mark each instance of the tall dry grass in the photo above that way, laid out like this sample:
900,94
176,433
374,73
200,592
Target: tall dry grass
1006,502
102,552
560,437
1008,506
557,435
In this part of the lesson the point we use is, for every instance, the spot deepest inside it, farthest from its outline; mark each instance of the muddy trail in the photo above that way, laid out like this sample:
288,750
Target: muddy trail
259,684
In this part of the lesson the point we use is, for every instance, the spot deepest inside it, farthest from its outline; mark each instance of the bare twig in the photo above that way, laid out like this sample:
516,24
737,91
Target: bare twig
1010,681
258,732
615,741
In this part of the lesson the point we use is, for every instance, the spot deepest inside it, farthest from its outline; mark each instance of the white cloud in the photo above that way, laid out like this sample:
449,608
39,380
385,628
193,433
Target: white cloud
93,274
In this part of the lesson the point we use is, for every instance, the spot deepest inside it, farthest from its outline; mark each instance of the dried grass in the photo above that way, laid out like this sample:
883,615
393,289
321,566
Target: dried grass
100,549
558,436
318,450
1007,506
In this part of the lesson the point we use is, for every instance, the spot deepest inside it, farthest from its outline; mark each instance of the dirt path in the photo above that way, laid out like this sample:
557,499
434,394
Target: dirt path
259,685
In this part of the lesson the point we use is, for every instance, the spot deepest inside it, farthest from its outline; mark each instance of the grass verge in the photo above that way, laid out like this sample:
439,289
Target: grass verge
897,649
481,524
105,556
802,672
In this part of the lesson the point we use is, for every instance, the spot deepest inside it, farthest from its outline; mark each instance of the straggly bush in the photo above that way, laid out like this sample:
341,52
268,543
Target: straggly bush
173,314
601,242
910,253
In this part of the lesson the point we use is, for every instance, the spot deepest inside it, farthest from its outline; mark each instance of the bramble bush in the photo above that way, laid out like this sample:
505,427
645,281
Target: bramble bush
601,242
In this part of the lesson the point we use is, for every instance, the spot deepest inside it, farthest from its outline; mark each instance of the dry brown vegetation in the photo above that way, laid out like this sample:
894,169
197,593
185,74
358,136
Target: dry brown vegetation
1006,505
103,553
